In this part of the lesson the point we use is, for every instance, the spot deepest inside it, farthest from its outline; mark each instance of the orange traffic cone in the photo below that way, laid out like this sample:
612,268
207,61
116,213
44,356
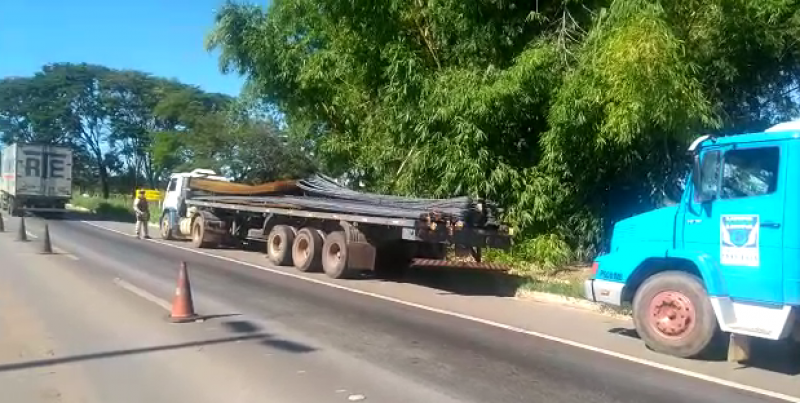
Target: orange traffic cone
182,305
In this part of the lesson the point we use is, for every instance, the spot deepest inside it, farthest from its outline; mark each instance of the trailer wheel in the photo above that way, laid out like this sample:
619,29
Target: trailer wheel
307,250
673,315
334,255
199,234
279,245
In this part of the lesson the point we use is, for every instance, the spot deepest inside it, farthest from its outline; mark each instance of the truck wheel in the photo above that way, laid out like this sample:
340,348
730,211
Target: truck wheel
334,255
199,234
279,245
307,250
166,228
673,315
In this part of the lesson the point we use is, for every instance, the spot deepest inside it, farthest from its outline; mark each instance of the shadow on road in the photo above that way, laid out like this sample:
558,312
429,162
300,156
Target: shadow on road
246,326
775,356
252,333
456,280
111,216
625,332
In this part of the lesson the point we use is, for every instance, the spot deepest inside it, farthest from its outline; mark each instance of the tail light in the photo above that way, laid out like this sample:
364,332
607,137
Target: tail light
595,266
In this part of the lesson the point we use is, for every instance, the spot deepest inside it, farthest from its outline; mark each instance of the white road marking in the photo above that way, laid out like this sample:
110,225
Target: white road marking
629,358
142,293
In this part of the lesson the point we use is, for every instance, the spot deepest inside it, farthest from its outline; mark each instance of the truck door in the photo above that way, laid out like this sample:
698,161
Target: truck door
172,199
741,229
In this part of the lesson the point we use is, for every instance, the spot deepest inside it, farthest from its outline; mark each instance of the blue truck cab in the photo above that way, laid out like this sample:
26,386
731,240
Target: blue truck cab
725,259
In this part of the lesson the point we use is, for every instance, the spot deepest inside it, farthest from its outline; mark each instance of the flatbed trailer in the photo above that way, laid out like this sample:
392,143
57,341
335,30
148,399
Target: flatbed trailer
308,233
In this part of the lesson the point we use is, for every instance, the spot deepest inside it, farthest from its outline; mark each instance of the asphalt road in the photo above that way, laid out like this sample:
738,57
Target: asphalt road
402,352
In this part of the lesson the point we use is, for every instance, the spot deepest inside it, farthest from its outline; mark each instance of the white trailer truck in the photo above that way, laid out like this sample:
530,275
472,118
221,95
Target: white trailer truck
35,178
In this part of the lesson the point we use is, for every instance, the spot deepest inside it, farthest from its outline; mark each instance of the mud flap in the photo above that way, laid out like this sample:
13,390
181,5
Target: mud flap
360,256
739,348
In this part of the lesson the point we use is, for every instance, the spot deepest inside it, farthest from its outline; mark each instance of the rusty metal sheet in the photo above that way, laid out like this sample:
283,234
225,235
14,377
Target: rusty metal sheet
241,189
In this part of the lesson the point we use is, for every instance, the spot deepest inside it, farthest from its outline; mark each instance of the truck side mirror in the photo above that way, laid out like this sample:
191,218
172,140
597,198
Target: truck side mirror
703,194
696,177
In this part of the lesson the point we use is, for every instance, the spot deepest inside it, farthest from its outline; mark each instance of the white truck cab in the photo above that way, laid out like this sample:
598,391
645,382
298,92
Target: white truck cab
176,219
177,186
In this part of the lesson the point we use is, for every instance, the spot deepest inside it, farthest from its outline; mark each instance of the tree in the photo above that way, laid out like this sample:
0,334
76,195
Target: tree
234,141
258,152
571,114
29,113
113,119
83,89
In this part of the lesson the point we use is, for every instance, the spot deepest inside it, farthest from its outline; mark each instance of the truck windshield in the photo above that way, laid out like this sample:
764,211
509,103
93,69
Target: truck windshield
750,172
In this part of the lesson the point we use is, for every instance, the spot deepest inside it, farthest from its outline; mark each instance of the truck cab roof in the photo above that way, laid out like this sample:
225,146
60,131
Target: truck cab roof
782,131
200,173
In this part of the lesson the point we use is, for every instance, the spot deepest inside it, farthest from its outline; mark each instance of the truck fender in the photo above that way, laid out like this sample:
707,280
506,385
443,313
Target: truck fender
707,266
646,263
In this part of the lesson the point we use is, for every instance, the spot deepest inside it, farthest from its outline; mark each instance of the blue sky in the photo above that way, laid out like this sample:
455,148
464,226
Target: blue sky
162,37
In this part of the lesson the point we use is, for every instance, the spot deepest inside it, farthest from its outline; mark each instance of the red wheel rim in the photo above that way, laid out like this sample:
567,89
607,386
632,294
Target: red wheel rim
672,314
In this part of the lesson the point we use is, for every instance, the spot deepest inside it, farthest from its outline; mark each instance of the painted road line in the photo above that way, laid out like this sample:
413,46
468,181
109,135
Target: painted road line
141,293
629,358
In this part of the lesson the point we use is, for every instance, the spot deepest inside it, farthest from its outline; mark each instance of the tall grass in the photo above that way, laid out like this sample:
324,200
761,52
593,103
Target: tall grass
116,206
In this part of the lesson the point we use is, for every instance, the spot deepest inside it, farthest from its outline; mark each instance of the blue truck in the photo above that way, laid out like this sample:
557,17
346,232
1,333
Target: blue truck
723,264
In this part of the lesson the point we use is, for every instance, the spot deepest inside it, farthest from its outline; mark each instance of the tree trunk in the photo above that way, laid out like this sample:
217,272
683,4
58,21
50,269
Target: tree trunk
150,173
101,167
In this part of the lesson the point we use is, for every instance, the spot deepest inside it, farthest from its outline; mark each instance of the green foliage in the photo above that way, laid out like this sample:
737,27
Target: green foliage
115,206
542,255
130,129
570,114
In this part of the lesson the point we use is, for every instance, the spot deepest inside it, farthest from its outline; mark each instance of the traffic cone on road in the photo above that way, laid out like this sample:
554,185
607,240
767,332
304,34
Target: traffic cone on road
47,248
22,235
182,305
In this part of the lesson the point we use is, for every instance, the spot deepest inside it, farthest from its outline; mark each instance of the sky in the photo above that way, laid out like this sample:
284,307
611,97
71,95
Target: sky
161,37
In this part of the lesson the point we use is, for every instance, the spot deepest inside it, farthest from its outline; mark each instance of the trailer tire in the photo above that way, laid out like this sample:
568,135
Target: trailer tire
673,315
307,250
199,234
334,255
279,245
